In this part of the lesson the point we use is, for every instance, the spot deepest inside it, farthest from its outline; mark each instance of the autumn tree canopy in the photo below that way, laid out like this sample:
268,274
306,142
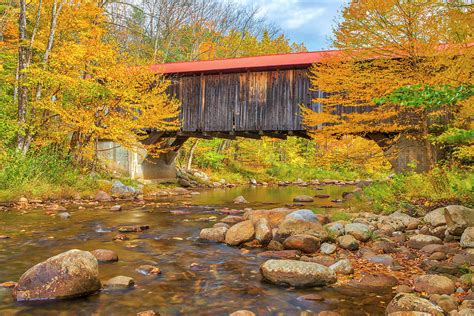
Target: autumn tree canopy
386,45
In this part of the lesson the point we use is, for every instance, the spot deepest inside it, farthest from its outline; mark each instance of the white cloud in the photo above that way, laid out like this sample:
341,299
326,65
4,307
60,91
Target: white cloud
308,21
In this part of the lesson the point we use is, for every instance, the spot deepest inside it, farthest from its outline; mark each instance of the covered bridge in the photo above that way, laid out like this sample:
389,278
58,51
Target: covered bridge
248,96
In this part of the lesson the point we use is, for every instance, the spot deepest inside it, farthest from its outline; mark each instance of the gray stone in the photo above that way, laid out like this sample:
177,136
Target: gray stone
116,208
102,196
240,200
213,234
73,273
467,238
327,248
263,231
64,215
458,218
122,189
336,229
239,233
419,241
360,231
342,266
436,217
305,215
386,260
405,302
297,273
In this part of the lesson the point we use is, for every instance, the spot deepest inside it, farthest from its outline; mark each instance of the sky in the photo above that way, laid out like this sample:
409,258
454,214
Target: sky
307,21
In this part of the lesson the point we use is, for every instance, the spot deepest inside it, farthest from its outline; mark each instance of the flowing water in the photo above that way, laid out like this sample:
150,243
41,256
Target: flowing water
198,278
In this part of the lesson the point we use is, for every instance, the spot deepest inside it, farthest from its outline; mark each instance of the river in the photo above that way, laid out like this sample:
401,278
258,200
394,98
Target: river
198,278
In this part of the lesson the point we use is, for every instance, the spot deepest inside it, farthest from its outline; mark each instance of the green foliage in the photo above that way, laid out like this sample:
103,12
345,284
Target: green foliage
45,173
210,159
340,216
456,136
430,97
414,190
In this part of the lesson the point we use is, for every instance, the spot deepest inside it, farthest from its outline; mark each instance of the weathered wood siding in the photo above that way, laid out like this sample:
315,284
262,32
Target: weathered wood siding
245,101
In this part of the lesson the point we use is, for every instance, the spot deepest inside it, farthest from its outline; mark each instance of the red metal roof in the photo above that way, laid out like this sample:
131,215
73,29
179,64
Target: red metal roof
280,61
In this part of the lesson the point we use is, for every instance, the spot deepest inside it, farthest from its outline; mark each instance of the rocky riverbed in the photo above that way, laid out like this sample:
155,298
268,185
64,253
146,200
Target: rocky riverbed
235,250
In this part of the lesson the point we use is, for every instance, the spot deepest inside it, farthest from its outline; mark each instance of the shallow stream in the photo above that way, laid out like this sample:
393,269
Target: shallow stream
198,278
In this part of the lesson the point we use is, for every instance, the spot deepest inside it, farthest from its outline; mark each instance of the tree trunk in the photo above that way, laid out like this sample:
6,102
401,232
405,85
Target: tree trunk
426,140
191,155
22,88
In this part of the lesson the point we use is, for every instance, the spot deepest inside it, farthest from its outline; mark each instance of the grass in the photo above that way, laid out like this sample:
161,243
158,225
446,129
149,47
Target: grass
417,191
44,174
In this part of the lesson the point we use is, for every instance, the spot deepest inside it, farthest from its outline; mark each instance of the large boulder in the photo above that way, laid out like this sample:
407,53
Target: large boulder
297,273
405,302
73,273
419,241
467,238
305,243
458,218
213,234
360,231
436,217
291,226
239,233
434,284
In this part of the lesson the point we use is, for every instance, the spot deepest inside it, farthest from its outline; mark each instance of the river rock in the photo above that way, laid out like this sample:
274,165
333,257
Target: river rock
240,200
343,266
275,245
119,282
297,273
73,273
116,208
239,233
147,313
303,198
420,240
458,218
263,231
410,302
386,260
232,219
242,312
348,242
447,302
280,254
375,282
336,229
305,215
133,228
291,226
327,248
102,196
467,238
324,260
105,255
305,243
408,221
360,231
434,284
436,217
64,215
213,234
274,216
121,189
148,269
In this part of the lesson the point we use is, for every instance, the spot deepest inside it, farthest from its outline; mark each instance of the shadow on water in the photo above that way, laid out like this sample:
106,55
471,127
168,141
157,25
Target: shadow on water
198,278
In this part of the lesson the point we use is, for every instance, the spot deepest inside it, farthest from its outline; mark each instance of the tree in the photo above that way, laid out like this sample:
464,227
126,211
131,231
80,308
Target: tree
386,45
